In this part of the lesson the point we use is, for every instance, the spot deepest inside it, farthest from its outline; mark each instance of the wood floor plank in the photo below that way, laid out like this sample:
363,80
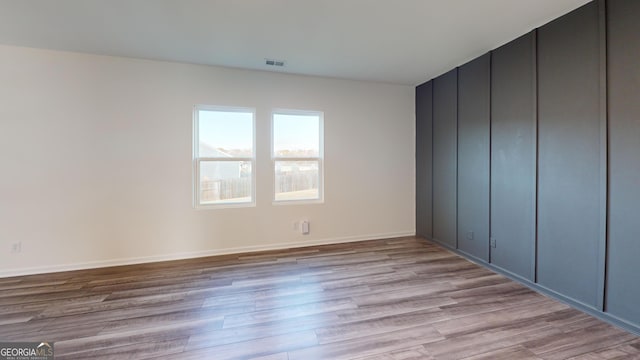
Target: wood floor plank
265,316
515,352
15,332
212,318
412,353
17,318
376,325
578,342
53,331
275,300
473,344
253,348
390,299
279,356
369,345
136,351
482,321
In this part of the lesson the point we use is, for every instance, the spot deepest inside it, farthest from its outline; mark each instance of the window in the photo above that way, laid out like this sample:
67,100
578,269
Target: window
223,156
297,152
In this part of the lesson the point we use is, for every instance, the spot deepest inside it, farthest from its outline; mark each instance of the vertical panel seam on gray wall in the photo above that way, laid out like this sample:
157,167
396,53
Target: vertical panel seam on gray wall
489,146
604,168
457,150
534,143
536,125
433,91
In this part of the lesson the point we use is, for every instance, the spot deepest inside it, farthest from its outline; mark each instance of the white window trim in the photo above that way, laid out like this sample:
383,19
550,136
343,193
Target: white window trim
319,159
196,160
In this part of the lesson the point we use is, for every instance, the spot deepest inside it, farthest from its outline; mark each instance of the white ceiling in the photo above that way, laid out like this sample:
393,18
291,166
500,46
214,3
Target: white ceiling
395,41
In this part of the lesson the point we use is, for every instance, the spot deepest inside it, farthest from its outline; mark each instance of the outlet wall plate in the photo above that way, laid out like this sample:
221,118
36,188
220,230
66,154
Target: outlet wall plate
16,247
304,229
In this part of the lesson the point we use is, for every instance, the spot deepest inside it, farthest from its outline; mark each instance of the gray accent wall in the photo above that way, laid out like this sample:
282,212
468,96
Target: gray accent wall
569,166
623,273
424,125
473,157
445,155
535,149
513,156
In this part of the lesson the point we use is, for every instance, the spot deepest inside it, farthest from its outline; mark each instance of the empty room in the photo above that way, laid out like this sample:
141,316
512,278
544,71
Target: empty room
355,179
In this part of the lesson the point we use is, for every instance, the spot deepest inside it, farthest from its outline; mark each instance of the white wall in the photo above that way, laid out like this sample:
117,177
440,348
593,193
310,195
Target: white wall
83,136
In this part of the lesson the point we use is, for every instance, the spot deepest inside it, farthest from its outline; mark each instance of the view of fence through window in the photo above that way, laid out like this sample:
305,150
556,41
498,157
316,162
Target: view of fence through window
230,184
225,156
297,151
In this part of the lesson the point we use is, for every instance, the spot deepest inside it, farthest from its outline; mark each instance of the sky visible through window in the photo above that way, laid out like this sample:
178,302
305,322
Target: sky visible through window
237,134
292,132
296,135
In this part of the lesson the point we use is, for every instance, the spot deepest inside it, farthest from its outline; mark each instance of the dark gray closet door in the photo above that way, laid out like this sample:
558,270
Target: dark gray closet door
424,112
513,152
570,207
445,118
623,275
473,157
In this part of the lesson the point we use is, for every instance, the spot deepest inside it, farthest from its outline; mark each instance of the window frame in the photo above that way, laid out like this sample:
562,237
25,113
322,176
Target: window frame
197,159
319,158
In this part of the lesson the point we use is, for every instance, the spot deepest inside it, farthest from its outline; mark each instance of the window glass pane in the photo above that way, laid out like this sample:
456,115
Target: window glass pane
296,135
297,180
225,182
225,133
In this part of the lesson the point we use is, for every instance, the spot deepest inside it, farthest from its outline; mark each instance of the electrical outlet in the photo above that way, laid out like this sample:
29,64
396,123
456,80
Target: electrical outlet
304,227
16,247
492,242
470,235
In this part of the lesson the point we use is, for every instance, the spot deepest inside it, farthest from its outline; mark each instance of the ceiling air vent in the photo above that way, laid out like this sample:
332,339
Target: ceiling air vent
272,62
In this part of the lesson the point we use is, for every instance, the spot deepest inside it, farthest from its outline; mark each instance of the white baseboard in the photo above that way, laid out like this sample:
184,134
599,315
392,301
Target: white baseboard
196,254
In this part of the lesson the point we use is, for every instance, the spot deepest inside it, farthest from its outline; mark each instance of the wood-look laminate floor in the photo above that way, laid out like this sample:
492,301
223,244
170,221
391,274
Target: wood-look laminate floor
384,299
